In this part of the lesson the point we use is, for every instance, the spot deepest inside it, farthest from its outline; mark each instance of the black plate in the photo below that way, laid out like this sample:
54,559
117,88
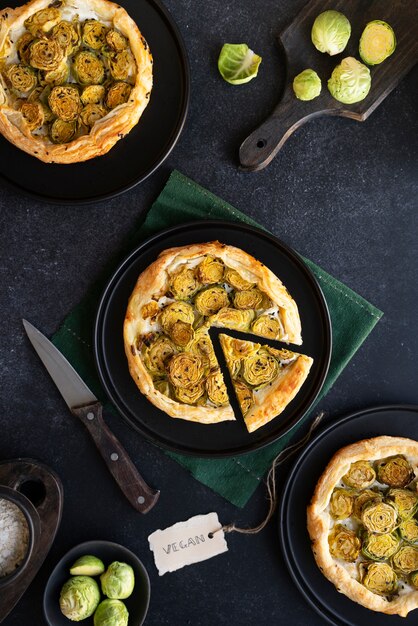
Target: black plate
227,438
334,607
142,151
137,604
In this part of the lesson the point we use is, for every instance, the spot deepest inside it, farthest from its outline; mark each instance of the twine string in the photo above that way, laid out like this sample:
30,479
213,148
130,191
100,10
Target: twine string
283,456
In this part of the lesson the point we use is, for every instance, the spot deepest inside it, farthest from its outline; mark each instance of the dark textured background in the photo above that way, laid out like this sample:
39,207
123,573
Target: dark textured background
341,192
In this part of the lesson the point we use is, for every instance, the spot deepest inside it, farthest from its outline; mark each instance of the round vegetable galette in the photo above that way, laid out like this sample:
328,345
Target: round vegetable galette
171,357
75,77
363,523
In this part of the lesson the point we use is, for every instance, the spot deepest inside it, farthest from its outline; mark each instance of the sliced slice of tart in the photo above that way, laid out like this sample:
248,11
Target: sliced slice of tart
265,379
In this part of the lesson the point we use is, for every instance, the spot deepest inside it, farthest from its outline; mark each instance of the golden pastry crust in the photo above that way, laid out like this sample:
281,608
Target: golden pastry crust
153,283
319,521
115,124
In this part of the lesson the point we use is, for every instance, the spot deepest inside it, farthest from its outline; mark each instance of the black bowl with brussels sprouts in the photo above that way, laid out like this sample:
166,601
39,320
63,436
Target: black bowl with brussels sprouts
97,583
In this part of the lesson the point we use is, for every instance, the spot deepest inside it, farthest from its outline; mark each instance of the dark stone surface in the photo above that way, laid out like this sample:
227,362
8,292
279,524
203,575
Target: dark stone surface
340,192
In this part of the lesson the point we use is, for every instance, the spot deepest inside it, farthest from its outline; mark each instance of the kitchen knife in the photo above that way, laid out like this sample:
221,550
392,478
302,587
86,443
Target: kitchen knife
84,404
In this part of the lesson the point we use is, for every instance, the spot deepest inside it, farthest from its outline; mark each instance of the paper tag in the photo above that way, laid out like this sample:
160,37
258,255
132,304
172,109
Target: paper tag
187,542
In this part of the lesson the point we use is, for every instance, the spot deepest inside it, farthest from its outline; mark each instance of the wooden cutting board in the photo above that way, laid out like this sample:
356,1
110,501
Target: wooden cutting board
44,490
263,144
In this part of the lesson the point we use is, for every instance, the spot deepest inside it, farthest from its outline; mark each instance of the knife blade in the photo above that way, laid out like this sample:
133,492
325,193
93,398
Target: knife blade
83,403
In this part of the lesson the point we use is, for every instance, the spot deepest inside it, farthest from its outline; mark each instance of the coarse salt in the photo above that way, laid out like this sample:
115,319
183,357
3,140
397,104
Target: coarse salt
14,537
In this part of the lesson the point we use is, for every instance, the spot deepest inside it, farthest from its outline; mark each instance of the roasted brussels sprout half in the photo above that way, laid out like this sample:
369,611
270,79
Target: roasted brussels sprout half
34,114
361,475
55,77
379,517
94,34
244,395
111,613
122,65
118,581
210,271
395,471
233,318
42,21
408,530
259,369
405,560
65,102
267,326
62,132
235,280
23,47
158,353
93,94
150,309
341,503
413,579
185,370
210,300
184,284
118,94
380,578
216,390
163,386
91,113
344,543
239,348
202,346
67,35
116,41
176,312
22,78
88,68
190,395
181,333
87,565
248,299
79,598
369,495
377,42
380,547
46,54
406,501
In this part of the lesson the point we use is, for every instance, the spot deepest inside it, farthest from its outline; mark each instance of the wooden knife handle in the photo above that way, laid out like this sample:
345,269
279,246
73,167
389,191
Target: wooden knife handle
139,494
264,143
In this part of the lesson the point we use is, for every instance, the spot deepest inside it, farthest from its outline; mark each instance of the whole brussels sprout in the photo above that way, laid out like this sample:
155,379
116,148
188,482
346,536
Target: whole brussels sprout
350,81
330,32
118,581
79,598
307,85
111,613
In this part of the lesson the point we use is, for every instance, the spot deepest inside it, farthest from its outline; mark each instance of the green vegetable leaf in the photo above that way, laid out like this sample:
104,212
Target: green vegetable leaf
237,63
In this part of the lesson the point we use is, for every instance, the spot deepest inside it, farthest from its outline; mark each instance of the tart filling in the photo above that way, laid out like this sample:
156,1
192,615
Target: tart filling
75,77
364,526
175,302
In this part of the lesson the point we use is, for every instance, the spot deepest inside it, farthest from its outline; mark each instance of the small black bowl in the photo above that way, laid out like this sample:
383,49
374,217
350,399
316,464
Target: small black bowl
32,519
137,604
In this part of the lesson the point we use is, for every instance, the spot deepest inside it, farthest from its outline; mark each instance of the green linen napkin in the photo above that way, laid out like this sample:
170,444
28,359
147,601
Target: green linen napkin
352,319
